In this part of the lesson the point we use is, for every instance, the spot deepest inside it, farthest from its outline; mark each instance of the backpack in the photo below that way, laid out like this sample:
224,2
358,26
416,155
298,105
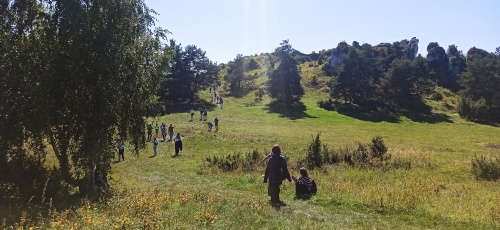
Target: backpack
313,189
155,142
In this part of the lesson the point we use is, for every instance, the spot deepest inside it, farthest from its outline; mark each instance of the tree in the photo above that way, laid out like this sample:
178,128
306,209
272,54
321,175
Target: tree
284,81
78,76
191,71
236,75
480,96
403,85
355,81
252,65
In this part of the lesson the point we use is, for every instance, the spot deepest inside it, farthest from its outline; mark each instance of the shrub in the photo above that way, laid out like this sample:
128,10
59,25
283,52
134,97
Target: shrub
232,162
436,96
378,148
314,157
485,168
473,110
259,93
327,104
360,155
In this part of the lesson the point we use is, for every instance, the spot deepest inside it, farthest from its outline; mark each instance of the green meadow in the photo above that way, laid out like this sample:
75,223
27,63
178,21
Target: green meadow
437,192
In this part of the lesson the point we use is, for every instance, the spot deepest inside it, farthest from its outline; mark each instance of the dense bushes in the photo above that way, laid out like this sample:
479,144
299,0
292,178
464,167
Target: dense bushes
236,161
372,155
473,110
485,168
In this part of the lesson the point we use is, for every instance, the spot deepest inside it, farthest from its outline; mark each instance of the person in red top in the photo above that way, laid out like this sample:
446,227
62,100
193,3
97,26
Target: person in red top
171,132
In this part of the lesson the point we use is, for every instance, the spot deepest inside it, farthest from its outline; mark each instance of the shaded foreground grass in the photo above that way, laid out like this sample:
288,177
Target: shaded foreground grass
439,191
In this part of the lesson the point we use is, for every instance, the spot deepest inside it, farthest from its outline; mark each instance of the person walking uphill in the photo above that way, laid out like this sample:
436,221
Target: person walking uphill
155,145
276,172
171,132
150,131
216,122
121,151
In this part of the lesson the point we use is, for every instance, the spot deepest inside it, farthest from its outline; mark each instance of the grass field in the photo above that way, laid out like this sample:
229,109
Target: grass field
438,192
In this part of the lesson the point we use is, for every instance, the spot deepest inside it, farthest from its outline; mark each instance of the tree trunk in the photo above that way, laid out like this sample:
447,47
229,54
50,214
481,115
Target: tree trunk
62,157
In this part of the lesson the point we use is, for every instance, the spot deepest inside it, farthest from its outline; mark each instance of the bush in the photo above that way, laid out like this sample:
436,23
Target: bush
473,110
315,153
327,104
371,155
236,161
259,93
378,148
485,168
436,96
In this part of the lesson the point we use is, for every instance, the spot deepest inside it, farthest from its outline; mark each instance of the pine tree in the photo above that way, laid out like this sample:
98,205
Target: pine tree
284,81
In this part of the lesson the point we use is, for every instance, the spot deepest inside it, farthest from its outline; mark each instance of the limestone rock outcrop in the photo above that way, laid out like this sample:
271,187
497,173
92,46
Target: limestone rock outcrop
411,48
475,53
436,53
337,53
456,60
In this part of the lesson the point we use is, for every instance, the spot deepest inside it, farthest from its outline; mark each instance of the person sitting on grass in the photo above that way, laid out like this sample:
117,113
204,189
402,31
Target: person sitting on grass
304,186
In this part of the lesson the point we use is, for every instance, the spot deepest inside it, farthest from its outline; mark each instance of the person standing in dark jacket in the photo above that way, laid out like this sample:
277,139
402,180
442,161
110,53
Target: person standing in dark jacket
276,172
177,144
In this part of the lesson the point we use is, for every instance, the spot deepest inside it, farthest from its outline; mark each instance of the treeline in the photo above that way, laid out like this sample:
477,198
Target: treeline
388,76
394,77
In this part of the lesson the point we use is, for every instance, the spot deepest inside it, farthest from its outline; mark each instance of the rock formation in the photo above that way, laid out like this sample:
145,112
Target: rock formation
411,48
337,53
436,53
476,52
356,45
456,60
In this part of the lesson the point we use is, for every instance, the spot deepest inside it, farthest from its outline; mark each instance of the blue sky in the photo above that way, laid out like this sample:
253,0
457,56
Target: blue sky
225,28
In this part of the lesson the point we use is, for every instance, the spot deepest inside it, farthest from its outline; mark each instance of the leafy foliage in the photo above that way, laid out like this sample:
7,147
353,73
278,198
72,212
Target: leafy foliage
236,161
191,71
480,95
77,74
485,168
284,81
355,83
404,83
236,75
371,155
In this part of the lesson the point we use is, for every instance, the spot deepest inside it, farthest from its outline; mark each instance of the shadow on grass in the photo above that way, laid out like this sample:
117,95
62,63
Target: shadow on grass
430,117
423,116
373,116
196,105
293,112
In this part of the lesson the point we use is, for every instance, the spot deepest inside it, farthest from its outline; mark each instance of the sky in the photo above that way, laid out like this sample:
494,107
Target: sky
225,28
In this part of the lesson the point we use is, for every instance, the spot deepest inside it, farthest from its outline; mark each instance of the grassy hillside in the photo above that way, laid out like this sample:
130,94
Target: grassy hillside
438,192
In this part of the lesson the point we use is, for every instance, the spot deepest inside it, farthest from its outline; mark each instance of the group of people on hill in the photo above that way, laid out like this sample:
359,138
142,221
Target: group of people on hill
163,127
276,169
